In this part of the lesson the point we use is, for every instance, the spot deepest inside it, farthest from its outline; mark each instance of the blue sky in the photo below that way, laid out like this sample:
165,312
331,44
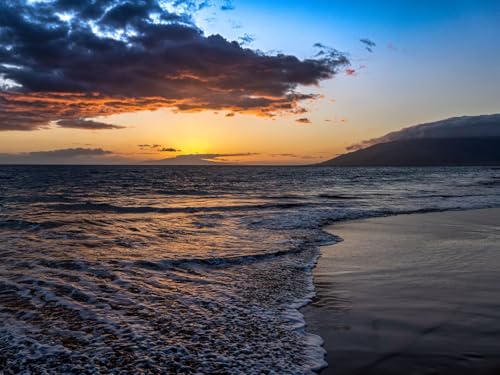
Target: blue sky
433,58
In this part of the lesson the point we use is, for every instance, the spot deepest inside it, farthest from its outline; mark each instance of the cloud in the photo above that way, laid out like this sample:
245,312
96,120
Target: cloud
369,44
455,127
289,155
72,61
337,120
303,120
31,111
190,6
199,159
157,148
246,39
62,156
284,155
147,146
350,72
86,124
227,5
70,152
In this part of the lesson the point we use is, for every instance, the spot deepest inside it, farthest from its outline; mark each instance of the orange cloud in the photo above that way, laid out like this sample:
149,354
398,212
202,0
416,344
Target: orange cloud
33,111
40,110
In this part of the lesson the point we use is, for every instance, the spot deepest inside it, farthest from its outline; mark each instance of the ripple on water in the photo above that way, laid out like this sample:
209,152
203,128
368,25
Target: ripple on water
168,270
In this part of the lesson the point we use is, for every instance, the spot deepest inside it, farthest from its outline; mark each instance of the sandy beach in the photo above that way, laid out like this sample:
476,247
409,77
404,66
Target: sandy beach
411,294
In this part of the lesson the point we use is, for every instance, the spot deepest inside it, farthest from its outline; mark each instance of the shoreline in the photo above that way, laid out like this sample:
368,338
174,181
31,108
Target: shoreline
330,314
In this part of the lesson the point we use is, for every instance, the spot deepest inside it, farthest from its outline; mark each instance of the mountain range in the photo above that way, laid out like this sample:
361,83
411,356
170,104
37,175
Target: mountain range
467,140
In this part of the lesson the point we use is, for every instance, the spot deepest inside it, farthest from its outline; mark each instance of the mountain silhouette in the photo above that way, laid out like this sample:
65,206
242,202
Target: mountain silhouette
425,152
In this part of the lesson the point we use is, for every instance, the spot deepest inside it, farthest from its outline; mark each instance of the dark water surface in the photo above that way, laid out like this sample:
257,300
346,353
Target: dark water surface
185,269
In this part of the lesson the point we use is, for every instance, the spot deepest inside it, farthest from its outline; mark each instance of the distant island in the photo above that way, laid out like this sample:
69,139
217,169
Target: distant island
459,141
425,152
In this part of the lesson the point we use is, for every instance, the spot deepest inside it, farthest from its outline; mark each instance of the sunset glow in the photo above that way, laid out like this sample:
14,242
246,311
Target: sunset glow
212,89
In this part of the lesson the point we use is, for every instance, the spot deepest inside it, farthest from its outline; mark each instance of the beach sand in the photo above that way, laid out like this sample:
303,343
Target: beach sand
411,294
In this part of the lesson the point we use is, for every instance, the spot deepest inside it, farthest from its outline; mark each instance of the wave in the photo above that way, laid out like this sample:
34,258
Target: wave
106,207
493,182
186,192
337,196
164,265
35,198
281,197
220,281
18,224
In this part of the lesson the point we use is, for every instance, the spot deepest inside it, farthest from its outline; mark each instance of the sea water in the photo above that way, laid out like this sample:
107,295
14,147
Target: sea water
158,270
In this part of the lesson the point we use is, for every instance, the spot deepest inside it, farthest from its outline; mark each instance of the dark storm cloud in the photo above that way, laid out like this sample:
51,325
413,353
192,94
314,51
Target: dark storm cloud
456,127
74,60
369,44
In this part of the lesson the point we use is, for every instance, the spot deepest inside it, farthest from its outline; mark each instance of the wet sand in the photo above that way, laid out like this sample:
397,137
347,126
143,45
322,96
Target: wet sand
411,294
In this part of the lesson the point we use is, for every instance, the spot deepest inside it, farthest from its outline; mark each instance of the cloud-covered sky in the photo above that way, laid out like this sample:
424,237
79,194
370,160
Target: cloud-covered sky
67,61
225,77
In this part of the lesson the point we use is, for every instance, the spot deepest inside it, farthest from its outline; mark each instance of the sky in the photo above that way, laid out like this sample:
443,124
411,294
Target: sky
252,82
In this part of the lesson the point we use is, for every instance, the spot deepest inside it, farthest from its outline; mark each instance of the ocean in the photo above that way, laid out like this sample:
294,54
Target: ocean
158,270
